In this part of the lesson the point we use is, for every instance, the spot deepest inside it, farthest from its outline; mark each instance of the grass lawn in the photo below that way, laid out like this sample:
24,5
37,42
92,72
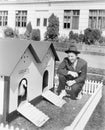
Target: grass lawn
59,117
97,120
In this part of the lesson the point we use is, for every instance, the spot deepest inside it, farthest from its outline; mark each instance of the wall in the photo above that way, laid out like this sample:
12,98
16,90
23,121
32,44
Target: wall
33,72
44,10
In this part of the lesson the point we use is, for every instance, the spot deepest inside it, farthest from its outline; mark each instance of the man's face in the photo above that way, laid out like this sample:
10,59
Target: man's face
72,57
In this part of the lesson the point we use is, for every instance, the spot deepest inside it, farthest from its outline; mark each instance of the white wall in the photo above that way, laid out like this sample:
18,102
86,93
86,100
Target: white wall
33,72
44,10
50,61
1,94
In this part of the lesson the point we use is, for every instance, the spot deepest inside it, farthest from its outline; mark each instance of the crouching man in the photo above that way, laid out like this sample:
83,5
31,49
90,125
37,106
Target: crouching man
72,74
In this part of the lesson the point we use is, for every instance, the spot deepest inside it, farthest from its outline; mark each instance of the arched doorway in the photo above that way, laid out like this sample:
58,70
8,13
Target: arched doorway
22,91
45,80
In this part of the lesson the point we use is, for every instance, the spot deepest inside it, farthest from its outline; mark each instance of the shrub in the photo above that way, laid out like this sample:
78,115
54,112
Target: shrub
35,35
81,38
96,34
16,33
8,32
73,36
52,29
91,35
102,41
88,36
63,39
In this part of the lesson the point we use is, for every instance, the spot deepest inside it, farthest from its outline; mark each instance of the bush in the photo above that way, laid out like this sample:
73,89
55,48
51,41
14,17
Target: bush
52,29
88,36
63,39
73,36
91,35
102,41
35,35
96,34
81,38
8,32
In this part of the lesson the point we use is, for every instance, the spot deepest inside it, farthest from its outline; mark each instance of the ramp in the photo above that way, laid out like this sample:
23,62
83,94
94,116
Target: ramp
34,115
53,98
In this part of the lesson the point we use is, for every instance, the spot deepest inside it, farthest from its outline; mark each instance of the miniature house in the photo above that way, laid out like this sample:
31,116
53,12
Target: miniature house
26,70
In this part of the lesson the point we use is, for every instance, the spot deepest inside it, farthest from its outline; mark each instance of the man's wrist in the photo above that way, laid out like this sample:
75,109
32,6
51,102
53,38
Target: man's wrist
69,72
74,81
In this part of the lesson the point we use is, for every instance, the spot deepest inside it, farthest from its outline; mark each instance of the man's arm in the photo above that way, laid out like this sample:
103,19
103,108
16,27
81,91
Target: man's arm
62,69
83,74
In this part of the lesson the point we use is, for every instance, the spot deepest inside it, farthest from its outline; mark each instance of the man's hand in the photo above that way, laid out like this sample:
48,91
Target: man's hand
72,73
70,82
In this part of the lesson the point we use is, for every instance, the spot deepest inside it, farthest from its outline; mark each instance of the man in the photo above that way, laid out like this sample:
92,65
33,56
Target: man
72,73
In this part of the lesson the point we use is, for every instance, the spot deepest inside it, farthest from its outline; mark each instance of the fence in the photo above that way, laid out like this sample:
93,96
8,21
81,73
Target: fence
7,127
91,86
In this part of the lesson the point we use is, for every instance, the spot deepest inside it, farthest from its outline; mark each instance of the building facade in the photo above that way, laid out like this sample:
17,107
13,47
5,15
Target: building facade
75,15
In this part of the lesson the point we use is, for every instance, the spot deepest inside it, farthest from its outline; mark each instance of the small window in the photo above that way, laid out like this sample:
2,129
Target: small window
38,21
45,22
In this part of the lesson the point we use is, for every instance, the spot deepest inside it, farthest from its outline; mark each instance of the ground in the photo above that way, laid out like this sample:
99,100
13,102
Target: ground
97,120
59,117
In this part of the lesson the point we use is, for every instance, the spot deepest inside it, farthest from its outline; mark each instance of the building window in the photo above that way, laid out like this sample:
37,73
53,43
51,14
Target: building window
38,22
3,18
21,18
71,19
97,19
45,22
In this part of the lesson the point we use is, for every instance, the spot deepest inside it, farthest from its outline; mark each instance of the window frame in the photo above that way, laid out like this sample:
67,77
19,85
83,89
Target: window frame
45,22
96,19
4,18
68,19
38,20
21,18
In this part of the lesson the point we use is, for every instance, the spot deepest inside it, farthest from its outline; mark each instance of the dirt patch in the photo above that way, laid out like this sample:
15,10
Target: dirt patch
59,117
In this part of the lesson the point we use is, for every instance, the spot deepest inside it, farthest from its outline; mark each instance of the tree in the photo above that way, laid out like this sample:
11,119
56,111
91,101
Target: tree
35,35
28,30
52,29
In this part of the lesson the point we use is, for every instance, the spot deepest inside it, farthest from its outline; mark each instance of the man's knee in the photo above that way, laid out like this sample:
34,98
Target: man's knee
62,78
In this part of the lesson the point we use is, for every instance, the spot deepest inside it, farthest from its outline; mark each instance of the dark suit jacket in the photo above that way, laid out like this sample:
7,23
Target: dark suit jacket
81,69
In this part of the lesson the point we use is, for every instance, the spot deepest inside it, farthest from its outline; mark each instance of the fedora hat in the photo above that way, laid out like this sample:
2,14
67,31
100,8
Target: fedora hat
72,48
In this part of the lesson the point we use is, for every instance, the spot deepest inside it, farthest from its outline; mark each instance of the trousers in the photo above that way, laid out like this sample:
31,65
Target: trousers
74,89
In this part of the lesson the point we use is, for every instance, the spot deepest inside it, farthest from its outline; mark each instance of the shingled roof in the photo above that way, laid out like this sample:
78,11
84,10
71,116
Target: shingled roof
11,51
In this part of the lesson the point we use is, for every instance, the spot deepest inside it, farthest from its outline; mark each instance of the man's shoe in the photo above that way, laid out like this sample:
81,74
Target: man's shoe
62,94
79,96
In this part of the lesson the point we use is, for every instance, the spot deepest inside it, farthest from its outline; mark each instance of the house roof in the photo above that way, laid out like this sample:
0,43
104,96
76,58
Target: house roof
41,49
11,51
